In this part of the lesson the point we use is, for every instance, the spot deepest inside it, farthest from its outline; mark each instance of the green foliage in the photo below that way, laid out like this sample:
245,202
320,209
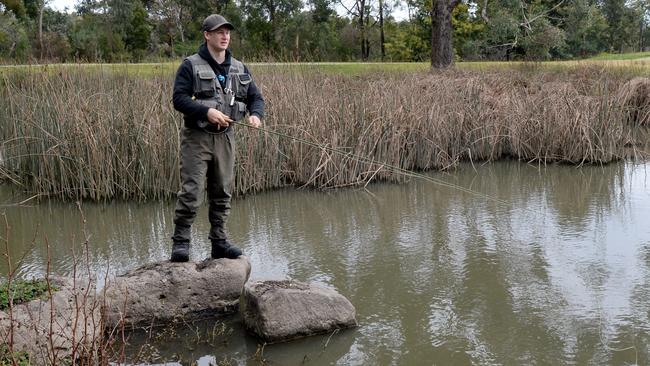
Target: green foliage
7,358
621,24
586,29
186,48
466,29
311,30
543,39
23,291
138,31
14,43
84,38
31,7
17,7
403,44
620,56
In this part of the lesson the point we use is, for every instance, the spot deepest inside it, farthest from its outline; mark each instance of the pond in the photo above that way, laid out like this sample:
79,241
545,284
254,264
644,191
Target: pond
537,265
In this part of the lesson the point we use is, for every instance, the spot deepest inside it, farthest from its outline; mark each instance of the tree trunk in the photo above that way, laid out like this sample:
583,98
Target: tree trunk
296,51
381,29
40,28
442,49
362,29
179,25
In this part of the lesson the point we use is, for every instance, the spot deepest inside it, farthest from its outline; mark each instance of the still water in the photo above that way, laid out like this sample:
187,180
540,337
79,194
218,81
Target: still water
553,268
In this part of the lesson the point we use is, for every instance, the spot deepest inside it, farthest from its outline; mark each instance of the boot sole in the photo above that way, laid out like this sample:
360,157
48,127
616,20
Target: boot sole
180,258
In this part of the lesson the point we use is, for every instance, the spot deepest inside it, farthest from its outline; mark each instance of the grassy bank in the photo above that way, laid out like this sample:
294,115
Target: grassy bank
628,64
620,56
101,135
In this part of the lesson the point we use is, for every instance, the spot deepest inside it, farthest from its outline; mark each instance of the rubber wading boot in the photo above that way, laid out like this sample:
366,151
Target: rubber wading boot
223,249
180,252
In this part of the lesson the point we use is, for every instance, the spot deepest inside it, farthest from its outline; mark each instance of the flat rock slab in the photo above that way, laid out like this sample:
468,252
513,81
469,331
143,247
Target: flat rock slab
63,326
278,311
163,292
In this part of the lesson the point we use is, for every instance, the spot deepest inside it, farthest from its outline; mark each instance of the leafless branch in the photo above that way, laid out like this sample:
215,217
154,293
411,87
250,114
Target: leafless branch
527,23
349,10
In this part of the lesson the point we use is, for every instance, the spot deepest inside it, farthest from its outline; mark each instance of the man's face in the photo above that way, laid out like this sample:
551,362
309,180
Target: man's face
218,39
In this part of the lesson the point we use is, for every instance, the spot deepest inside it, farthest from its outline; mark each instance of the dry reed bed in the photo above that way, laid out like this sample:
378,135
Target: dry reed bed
79,135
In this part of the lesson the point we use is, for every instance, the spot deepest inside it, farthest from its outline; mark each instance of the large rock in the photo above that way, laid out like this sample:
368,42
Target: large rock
65,326
163,292
278,311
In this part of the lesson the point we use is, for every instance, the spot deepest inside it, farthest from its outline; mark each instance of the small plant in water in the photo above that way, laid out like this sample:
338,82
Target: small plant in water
23,291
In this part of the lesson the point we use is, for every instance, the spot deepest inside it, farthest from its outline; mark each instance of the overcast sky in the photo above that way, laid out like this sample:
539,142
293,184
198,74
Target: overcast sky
61,5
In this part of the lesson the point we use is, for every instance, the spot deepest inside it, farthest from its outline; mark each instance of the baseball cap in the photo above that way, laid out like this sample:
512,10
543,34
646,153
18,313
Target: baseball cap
215,21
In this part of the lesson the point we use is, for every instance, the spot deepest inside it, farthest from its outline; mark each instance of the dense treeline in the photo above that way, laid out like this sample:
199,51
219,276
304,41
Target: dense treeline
313,30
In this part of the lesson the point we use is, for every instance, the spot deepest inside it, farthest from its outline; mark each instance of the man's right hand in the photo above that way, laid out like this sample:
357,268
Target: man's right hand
217,118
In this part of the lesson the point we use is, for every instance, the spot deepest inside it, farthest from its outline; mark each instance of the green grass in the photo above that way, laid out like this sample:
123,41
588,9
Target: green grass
8,358
169,68
348,68
629,63
620,56
23,291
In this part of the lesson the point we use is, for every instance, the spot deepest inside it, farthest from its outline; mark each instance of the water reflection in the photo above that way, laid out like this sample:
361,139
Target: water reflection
554,269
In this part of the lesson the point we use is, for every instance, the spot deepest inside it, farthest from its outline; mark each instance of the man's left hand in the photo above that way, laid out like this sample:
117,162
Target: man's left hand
254,121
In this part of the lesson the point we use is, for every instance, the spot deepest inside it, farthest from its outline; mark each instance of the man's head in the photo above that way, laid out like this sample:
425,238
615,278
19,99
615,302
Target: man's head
216,30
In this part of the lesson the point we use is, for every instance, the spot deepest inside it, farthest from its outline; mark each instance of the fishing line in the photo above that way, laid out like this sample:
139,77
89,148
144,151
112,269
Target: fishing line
382,165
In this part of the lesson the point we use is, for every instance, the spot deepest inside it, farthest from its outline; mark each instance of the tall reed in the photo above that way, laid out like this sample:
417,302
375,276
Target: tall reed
102,135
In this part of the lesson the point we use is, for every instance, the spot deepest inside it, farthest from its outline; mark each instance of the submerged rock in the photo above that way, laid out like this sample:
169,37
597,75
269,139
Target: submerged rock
163,292
278,311
64,326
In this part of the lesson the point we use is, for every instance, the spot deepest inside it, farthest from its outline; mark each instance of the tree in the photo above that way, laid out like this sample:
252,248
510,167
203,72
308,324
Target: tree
41,9
169,18
468,29
271,16
13,38
621,24
84,37
138,31
642,13
360,13
407,42
442,49
17,7
585,29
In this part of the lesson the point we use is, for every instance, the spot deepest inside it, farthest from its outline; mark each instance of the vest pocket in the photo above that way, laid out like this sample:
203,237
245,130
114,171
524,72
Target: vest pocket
242,81
206,84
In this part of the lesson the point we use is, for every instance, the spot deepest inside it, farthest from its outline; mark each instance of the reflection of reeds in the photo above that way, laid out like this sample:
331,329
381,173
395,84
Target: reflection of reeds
74,134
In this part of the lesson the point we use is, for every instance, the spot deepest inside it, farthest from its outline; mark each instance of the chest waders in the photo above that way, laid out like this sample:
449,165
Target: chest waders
209,152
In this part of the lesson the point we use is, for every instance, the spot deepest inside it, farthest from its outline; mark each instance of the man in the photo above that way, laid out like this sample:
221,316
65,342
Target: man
212,89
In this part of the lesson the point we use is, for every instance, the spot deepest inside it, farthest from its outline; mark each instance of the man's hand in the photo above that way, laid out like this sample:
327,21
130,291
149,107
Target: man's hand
217,118
254,121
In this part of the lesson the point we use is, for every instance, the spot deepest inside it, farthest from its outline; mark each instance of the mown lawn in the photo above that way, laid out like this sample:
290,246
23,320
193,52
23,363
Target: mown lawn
630,65
620,56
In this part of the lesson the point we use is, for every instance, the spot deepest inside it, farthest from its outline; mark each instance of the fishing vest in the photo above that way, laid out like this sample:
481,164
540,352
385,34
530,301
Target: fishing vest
208,90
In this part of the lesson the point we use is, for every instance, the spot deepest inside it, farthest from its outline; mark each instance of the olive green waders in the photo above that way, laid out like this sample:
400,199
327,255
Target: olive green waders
204,155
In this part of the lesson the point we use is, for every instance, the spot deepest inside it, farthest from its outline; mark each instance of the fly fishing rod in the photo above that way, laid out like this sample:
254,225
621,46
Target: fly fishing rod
363,159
